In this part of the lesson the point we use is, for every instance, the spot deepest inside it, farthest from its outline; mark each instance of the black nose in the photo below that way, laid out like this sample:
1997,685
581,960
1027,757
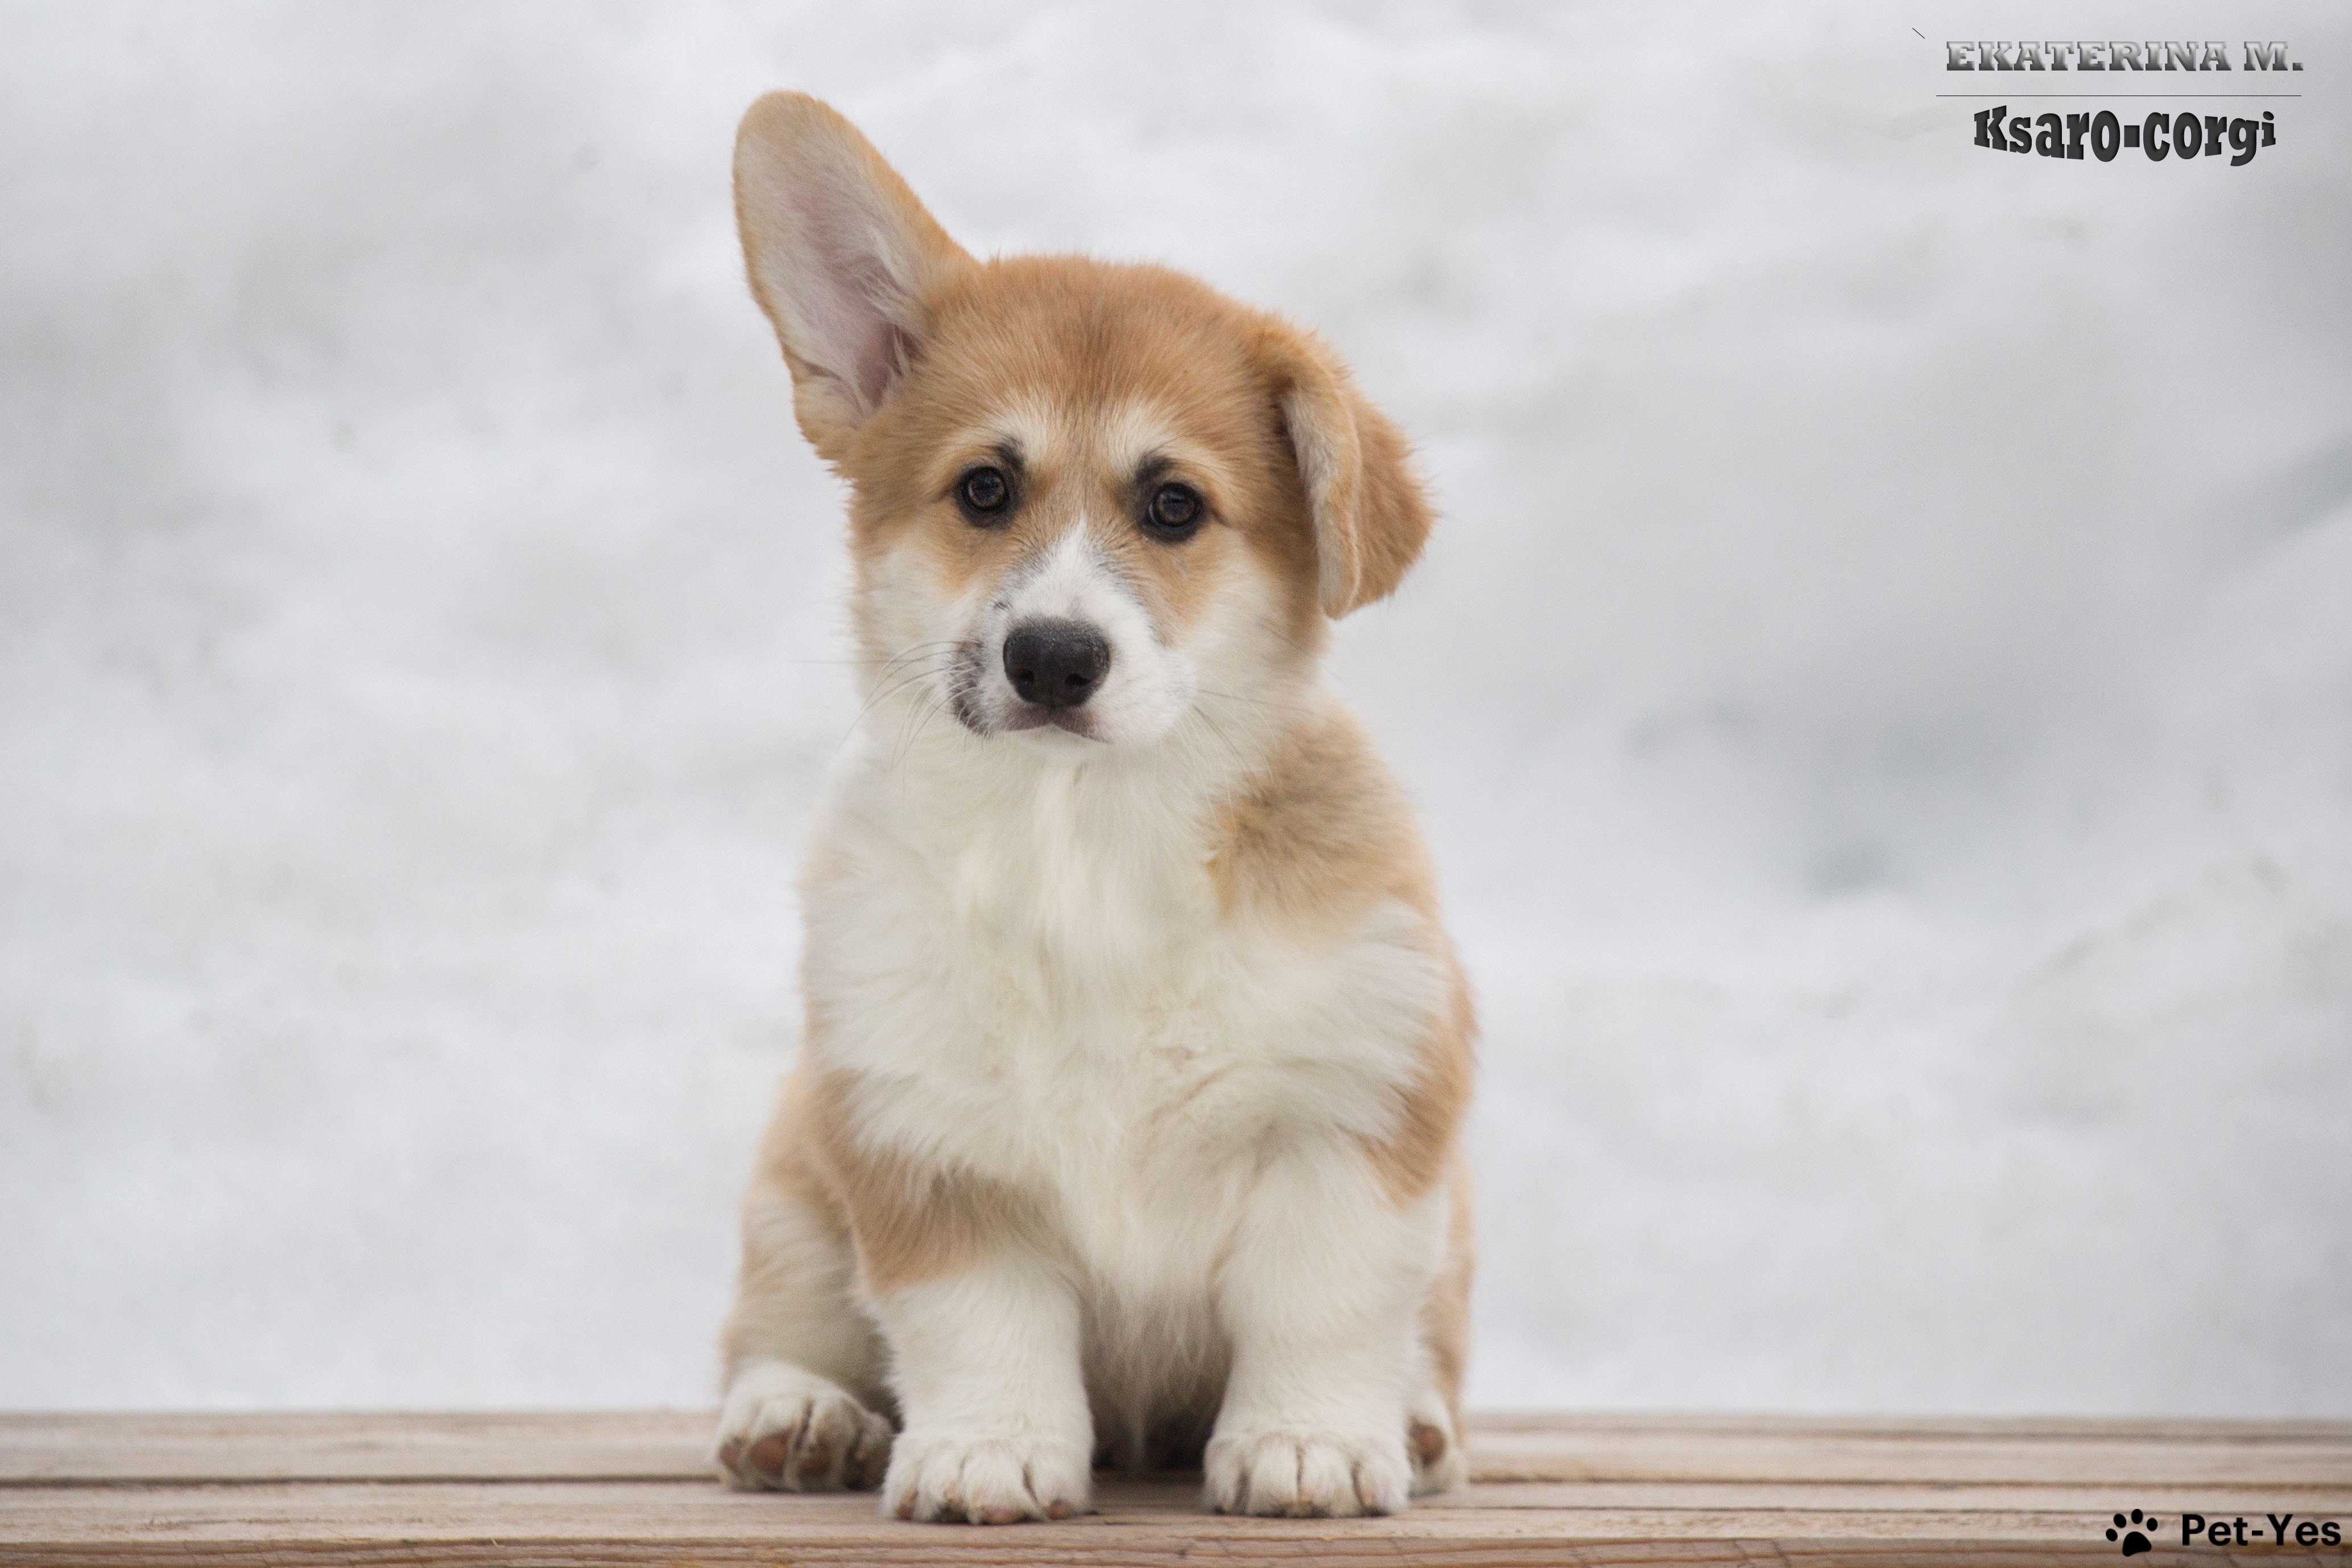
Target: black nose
1056,663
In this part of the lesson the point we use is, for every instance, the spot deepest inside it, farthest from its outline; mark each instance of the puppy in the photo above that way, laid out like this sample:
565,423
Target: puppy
1124,1128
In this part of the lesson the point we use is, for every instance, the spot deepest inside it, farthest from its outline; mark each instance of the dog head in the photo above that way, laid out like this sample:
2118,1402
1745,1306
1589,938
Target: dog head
1088,500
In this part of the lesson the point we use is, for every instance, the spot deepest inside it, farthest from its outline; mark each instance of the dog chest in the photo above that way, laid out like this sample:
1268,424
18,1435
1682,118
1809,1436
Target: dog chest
1073,1013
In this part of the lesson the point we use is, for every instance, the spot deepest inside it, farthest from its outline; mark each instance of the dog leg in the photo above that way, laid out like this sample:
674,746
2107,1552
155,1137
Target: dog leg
804,1408
1434,1420
1321,1297
986,1364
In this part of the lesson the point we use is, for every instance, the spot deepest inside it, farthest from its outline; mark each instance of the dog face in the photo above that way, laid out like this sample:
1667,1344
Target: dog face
1077,503
1089,501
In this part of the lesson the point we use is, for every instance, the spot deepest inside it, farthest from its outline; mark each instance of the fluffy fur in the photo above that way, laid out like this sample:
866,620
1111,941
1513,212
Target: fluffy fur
1124,1127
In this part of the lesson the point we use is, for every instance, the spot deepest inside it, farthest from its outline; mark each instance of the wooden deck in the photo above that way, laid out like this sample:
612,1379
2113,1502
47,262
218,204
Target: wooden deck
610,1490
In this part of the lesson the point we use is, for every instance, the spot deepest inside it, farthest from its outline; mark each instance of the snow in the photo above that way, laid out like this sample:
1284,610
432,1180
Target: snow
1882,690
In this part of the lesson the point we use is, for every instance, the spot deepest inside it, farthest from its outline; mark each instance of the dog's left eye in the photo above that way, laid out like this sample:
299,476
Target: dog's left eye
1175,511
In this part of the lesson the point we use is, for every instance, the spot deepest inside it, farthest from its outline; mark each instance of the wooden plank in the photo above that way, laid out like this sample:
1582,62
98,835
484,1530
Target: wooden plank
555,1490
2120,1429
90,1449
1181,1494
1533,1456
85,1449
569,1523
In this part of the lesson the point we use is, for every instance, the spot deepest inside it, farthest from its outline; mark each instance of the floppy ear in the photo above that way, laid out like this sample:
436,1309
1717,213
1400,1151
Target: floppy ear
1371,516
840,254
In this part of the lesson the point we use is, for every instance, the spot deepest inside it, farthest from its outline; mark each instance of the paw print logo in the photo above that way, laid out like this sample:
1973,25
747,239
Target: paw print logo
2134,1532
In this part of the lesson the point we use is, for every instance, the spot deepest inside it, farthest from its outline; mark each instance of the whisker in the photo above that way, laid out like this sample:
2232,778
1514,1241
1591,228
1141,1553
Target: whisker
1259,702
928,712
919,651
1218,730
891,689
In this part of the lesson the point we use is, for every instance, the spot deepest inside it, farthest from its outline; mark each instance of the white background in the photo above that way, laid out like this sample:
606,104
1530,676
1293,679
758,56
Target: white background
1880,691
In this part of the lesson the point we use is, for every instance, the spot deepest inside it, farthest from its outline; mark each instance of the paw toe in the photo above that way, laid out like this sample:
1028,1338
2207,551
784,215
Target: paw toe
1438,1461
787,1429
1428,1443
1307,1475
985,1480
769,1454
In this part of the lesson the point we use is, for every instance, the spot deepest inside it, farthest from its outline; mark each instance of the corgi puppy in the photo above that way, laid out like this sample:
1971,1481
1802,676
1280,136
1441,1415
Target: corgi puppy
1124,1128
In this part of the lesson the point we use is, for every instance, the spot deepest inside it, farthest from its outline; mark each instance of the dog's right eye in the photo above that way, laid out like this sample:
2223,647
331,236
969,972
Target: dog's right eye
983,493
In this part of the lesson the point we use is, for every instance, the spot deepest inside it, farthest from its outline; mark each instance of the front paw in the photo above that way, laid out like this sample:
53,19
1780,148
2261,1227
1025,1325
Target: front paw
955,1478
783,1429
1307,1475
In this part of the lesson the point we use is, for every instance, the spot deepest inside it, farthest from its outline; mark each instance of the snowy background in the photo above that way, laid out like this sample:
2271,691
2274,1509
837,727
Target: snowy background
1901,823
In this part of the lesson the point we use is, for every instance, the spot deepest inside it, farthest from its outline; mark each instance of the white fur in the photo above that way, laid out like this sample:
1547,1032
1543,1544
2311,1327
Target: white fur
1031,977
987,1363
1150,684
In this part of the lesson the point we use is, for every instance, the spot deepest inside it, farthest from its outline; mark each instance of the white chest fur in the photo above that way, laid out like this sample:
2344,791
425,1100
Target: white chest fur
1025,963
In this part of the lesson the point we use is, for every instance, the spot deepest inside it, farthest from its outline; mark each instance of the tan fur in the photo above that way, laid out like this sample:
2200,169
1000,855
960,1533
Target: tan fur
786,1174
791,1187
1069,337
1371,515
1322,835
1421,1148
1303,464
905,1223
908,1222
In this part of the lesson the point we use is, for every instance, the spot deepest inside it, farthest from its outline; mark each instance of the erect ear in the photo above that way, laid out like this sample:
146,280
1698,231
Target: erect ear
840,254
1371,516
